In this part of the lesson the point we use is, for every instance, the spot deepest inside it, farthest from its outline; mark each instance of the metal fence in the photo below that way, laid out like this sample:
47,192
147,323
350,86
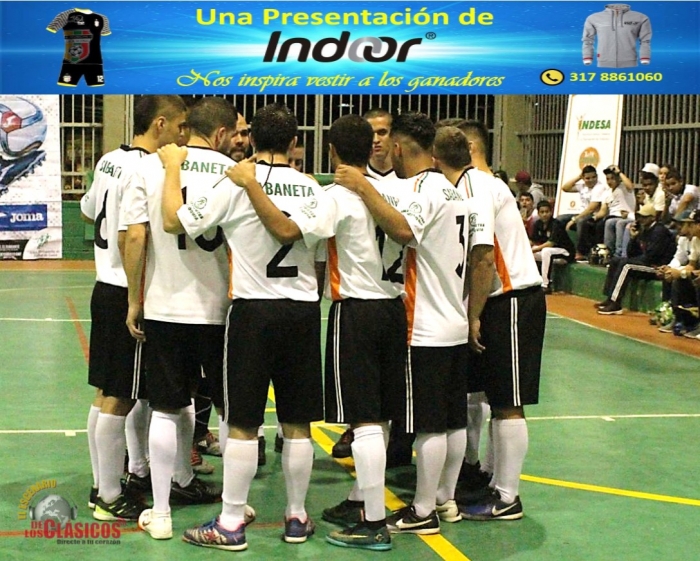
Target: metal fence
664,129
82,120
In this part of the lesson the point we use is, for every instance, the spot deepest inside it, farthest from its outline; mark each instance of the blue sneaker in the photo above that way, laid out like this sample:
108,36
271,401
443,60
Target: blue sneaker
493,508
296,531
213,534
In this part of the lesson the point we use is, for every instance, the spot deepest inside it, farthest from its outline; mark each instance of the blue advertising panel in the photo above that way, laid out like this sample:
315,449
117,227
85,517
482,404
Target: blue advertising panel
350,47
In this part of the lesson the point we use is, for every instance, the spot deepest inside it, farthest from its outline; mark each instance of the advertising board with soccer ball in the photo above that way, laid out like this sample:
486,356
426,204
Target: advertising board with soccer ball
30,177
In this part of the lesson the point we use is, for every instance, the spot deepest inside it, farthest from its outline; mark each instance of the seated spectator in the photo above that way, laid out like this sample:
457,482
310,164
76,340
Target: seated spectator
654,189
582,184
679,197
651,245
528,212
550,240
677,287
524,184
589,222
619,207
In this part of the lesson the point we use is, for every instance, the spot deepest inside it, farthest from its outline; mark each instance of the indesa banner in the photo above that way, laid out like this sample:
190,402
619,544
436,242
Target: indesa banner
352,47
591,138
30,177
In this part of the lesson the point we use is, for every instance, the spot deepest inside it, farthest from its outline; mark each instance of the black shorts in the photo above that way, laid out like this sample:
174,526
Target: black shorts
434,395
366,349
115,365
71,73
177,356
278,341
512,330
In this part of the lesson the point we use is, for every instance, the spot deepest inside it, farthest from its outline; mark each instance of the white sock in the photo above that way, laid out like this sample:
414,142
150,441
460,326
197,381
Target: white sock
223,435
162,449
184,474
510,442
431,451
369,454
92,445
488,461
297,461
111,443
137,437
240,466
456,443
475,422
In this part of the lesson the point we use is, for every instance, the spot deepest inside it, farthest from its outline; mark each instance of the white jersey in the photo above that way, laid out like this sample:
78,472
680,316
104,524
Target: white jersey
186,279
658,199
380,175
363,262
515,265
261,267
435,262
101,204
620,200
691,190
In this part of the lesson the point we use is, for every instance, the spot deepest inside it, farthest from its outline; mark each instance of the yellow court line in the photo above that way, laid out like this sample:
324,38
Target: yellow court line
436,542
611,491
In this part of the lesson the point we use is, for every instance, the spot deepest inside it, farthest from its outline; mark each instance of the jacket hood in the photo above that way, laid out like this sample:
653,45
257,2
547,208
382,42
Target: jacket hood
618,7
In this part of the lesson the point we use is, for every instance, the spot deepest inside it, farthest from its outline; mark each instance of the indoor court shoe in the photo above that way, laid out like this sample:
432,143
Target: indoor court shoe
361,537
197,492
135,484
694,334
493,508
602,304
448,511
92,501
612,309
347,513
123,508
213,534
667,327
209,445
296,531
262,456
199,464
158,525
406,521
343,448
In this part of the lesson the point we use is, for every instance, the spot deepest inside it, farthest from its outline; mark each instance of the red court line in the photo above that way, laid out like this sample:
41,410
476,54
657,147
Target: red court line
78,328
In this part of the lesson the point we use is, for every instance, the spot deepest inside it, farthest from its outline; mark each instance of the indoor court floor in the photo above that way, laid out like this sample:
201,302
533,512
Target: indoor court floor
611,473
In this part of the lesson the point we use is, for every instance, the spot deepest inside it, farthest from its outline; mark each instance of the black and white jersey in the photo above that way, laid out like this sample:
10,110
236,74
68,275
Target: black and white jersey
102,203
380,175
82,30
262,267
186,279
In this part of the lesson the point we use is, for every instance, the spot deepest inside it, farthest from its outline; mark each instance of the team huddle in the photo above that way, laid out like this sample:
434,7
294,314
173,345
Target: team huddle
214,267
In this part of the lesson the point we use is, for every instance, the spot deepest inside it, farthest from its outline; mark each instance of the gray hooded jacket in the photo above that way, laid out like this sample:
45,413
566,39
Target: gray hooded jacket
617,29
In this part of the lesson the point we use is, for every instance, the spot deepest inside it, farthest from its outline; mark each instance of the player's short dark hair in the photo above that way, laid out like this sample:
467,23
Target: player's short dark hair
476,131
352,137
611,171
674,174
450,122
589,169
273,127
647,176
211,113
502,175
543,203
416,126
377,112
149,107
526,194
451,147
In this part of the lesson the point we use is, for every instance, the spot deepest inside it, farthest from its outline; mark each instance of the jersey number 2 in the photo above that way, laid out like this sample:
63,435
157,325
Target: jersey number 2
274,271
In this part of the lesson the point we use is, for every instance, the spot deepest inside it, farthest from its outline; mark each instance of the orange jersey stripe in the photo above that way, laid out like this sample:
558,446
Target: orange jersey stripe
410,275
333,269
501,268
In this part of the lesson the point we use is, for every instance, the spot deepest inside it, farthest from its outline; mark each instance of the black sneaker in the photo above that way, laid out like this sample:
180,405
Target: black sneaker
361,537
406,521
279,443
343,448
262,457
471,477
347,513
137,485
196,493
493,508
123,508
92,501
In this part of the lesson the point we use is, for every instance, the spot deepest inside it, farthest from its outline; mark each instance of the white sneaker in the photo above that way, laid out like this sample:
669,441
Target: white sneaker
448,511
158,525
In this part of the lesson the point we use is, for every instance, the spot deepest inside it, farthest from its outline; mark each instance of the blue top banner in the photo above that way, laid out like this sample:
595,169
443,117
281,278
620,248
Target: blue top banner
350,47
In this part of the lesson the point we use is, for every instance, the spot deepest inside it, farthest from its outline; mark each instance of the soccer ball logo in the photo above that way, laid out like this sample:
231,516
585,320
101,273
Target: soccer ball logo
76,51
22,132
